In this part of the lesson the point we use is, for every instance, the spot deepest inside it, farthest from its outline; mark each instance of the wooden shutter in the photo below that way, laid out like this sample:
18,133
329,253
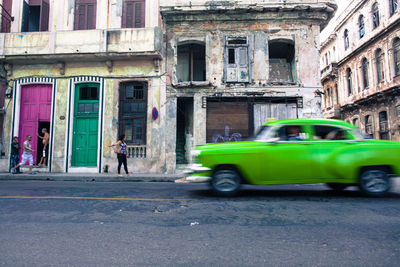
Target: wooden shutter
243,65
25,17
44,16
85,15
231,64
133,15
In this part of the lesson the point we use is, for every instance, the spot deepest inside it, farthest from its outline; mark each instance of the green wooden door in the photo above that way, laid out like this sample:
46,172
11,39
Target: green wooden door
86,121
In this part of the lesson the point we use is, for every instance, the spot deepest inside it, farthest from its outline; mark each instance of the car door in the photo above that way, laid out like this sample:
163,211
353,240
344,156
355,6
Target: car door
331,145
288,158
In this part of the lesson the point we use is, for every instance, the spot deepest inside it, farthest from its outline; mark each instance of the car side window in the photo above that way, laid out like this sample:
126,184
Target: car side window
329,133
290,133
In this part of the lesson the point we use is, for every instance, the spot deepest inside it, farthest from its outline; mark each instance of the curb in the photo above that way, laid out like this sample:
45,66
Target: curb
84,177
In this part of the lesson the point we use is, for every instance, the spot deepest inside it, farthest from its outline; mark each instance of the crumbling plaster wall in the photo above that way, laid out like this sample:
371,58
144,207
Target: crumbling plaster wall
155,161
373,107
355,64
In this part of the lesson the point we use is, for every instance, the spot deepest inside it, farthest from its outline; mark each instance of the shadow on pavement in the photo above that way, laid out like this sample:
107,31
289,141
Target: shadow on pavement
251,193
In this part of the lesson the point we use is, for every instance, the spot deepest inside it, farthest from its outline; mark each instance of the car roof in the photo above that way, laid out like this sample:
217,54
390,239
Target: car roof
311,121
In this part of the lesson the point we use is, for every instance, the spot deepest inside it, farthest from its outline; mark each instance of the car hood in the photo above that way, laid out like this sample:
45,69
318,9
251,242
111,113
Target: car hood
230,145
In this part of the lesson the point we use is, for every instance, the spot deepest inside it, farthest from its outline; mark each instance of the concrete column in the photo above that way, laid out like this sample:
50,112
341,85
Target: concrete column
199,120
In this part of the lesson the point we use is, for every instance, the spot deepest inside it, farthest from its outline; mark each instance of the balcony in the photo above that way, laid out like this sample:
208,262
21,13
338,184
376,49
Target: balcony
82,44
332,112
329,71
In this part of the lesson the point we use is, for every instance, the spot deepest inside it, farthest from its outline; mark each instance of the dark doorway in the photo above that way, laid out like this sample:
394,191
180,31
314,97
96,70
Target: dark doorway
39,152
184,129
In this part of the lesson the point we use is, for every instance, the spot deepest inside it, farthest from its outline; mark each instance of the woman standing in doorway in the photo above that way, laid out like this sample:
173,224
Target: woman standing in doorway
121,154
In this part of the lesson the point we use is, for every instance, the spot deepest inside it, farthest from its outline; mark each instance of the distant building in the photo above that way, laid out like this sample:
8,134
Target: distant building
231,65
360,68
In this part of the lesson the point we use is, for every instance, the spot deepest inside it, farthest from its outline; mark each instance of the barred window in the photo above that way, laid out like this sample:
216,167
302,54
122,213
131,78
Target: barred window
132,112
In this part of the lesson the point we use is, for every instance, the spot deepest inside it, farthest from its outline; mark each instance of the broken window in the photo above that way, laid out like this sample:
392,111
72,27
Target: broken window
236,59
191,63
35,16
349,82
281,61
133,14
361,26
328,97
383,126
356,122
375,16
132,112
346,39
85,14
365,72
379,65
393,5
396,56
368,126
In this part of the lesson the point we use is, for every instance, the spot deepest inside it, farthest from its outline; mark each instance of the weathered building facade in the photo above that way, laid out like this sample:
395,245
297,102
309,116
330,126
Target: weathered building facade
87,71
231,65
360,64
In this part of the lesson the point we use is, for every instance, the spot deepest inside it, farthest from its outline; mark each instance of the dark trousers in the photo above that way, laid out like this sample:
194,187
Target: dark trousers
122,160
14,162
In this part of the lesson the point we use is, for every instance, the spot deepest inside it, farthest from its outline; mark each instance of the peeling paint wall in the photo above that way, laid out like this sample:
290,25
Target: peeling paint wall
195,22
375,96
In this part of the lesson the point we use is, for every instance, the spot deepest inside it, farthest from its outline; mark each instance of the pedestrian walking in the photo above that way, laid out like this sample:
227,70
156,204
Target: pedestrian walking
15,155
45,140
122,154
27,155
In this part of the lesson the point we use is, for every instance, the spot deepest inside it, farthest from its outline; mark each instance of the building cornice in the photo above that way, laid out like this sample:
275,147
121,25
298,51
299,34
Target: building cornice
372,40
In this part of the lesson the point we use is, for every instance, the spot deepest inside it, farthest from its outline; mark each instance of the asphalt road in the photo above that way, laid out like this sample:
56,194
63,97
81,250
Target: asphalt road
166,224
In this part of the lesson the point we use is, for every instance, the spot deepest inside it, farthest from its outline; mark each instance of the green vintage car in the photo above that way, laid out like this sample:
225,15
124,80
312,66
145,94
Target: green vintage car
299,151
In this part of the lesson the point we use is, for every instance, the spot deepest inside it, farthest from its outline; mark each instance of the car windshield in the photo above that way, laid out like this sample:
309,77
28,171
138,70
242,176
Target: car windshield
264,133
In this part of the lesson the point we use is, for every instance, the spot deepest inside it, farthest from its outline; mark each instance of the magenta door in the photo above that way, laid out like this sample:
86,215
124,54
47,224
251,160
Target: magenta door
35,107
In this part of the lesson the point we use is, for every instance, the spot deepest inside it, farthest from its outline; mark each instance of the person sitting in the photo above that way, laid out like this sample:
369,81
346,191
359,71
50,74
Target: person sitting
294,133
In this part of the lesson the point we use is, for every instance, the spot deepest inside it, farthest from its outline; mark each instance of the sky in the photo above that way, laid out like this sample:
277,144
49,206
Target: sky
342,4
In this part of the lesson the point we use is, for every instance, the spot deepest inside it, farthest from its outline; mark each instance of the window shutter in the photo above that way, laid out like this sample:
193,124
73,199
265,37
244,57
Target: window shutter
133,15
231,59
139,14
85,15
25,17
91,16
44,16
243,65
129,15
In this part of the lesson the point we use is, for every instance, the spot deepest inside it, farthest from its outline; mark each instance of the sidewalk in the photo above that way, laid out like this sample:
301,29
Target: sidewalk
91,177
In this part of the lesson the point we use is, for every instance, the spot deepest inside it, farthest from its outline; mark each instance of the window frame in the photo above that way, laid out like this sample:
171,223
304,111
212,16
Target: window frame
134,22
396,55
349,81
44,16
191,52
134,116
361,26
393,7
375,16
346,39
380,65
89,23
237,67
364,70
